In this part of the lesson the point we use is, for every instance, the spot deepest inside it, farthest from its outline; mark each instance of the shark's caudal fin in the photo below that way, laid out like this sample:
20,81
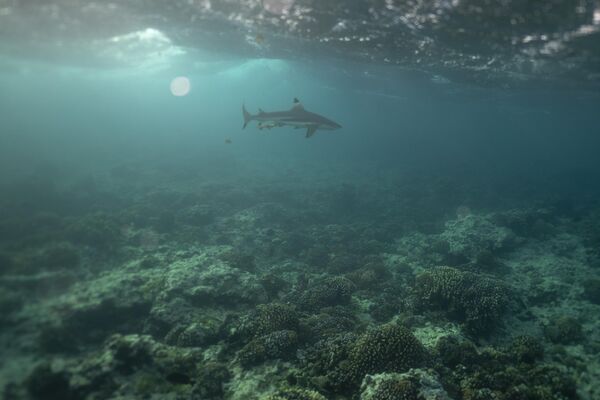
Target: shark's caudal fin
247,116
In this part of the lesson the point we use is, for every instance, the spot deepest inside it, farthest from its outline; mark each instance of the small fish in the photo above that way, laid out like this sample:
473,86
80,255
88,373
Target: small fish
297,117
228,141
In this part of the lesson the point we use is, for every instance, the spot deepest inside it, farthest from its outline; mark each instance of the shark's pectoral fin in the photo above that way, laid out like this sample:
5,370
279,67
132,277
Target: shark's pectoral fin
311,130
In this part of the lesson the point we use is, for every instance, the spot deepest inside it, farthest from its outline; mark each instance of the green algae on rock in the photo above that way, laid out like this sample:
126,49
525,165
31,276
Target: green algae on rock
99,230
474,238
62,255
205,280
111,303
129,365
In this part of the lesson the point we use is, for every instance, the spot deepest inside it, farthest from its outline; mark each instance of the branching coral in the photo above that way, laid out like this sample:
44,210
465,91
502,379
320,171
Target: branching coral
477,301
269,332
332,291
344,360
268,318
279,344
388,348
295,393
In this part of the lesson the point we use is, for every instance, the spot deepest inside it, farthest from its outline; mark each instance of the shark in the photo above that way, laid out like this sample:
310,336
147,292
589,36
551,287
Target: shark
297,116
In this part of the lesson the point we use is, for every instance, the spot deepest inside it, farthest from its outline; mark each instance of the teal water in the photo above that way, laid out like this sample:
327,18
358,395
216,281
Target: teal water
96,118
442,244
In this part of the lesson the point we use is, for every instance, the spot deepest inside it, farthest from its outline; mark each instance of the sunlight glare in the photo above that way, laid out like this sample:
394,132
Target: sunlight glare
180,86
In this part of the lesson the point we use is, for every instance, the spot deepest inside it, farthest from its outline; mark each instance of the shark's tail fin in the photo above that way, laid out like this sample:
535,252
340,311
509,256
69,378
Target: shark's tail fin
247,116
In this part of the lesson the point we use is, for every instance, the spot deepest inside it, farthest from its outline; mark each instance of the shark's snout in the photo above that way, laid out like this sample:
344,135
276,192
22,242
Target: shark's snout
332,126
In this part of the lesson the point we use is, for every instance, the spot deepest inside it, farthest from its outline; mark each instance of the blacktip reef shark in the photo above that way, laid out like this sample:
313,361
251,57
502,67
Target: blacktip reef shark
297,117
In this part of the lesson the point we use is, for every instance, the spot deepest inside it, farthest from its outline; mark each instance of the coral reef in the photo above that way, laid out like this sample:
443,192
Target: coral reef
322,361
330,321
269,332
497,374
268,318
452,351
526,349
416,384
62,255
6,263
209,381
295,394
44,383
389,388
564,330
232,291
152,368
10,302
591,290
389,348
332,291
477,301
203,280
342,361
113,303
196,334
474,238
278,344
236,259
97,230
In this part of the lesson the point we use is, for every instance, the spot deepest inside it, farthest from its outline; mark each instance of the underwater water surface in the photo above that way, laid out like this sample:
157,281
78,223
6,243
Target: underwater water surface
408,208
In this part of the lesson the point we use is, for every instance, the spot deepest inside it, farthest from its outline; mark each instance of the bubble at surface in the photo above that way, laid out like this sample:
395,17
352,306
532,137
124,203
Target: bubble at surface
279,7
180,86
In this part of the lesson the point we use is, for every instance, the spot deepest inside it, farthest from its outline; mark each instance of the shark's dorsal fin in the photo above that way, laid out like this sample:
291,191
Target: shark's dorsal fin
297,105
311,130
